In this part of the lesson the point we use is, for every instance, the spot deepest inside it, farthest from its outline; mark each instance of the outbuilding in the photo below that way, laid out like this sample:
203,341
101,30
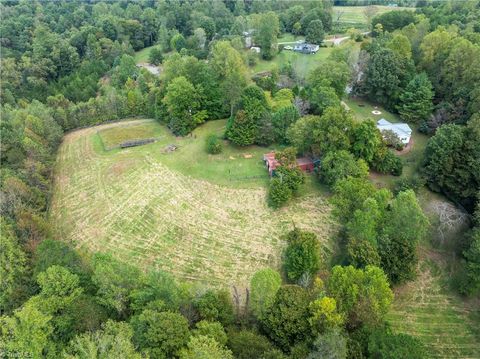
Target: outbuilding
305,164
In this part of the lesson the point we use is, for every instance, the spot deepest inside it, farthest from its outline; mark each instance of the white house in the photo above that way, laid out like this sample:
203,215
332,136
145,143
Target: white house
306,48
402,130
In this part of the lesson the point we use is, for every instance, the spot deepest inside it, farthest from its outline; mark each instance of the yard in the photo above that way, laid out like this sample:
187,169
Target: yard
114,136
203,218
362,110
302,63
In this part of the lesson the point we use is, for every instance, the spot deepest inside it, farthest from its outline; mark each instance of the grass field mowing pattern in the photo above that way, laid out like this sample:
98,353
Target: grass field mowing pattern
133,204
428,310
355,14
114,136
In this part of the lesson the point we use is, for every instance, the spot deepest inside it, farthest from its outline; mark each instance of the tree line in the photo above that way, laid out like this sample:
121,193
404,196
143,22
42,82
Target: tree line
70,64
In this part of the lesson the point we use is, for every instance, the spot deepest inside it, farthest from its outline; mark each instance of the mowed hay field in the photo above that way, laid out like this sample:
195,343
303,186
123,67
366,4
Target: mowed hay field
427,309
185,212
355,15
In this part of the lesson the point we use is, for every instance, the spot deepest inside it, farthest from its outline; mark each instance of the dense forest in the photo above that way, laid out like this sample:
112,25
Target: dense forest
70,64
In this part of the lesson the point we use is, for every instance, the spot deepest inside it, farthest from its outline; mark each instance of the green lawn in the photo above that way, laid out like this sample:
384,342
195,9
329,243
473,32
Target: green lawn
362,110
236,167
302,63
112,137
142,55
289,38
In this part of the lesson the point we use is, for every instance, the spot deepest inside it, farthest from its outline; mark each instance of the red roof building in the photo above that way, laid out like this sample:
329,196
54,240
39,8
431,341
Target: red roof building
306,164
270,162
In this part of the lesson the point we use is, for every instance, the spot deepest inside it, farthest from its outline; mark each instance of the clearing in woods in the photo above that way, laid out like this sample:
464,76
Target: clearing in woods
115,136
354,16
428,307
203,218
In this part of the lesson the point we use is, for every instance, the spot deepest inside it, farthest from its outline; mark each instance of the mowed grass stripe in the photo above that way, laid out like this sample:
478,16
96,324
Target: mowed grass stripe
138,205
428,310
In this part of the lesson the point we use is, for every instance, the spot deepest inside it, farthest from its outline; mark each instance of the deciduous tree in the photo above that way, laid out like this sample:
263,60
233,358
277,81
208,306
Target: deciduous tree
263,288
286,321
160,334
405,226
337,165
362,295
315,32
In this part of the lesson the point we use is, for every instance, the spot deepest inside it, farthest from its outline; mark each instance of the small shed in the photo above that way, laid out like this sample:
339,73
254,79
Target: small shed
305,164
270,162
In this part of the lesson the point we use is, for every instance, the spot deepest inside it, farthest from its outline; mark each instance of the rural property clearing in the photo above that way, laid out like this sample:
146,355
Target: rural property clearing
354,16
163,210
428,307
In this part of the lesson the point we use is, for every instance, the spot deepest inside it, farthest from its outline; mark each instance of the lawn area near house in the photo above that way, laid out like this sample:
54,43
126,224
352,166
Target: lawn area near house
362,110
289,38
302,63
203,218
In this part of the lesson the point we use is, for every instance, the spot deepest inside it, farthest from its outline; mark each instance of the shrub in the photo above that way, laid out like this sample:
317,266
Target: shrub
386,161
213,144
278,192
302,255
247,344
405,183
155,57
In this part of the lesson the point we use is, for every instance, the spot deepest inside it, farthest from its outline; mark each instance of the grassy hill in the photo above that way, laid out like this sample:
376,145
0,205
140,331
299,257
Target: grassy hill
203,218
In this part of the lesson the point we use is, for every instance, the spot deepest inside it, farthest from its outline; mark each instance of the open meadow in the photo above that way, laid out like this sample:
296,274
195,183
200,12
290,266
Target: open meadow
429,307
203,218
354,16
301,63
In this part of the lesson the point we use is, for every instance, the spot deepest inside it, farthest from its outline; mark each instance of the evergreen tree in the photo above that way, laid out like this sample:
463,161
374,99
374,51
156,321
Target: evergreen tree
416,101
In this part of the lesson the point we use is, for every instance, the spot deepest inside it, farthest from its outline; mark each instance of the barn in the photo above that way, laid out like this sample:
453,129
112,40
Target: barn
306,164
